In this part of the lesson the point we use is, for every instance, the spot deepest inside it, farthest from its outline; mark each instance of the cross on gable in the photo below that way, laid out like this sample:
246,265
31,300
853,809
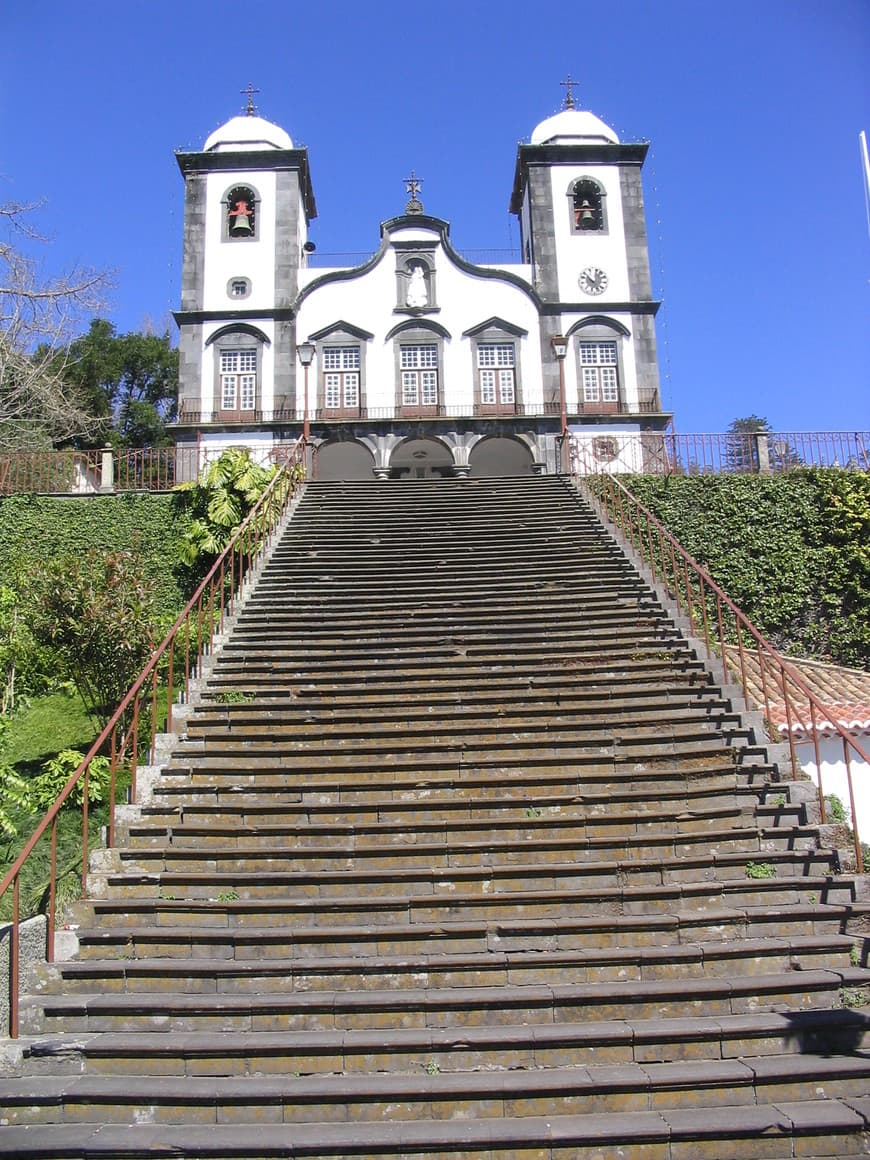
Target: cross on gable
250,107
413,184
569,96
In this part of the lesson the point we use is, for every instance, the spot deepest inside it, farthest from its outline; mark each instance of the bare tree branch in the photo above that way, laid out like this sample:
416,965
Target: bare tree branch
39,317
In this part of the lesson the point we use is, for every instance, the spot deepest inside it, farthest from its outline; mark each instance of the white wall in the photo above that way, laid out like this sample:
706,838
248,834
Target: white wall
834,779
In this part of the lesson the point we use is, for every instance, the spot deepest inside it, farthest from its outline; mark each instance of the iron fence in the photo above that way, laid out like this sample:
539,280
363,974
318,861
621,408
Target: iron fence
593,449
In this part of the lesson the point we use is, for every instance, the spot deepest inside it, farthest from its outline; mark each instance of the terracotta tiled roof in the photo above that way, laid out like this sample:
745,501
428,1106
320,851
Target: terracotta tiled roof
845,693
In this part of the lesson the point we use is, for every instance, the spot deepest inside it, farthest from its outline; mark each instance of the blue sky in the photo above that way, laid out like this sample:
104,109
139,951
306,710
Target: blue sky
755,206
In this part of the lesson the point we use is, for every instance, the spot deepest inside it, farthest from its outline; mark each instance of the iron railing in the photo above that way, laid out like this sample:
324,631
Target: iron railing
175,663
727,632
593,450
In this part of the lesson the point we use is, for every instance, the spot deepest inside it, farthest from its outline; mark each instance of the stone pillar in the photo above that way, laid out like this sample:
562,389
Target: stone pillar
762,448
107,470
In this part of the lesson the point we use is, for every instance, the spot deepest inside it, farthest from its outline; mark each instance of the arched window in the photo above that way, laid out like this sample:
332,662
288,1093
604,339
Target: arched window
588,207
496,345
238,363
600,378
341,351
419,367
240,213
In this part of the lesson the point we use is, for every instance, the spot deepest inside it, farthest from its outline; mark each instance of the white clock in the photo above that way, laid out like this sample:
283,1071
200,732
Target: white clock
592,280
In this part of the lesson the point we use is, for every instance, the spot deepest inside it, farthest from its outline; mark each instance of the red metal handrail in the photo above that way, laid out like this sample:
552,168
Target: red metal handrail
732,635
176,660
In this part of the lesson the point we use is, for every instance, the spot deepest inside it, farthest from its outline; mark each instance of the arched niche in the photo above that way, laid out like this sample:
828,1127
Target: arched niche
342,460
421,459
497,455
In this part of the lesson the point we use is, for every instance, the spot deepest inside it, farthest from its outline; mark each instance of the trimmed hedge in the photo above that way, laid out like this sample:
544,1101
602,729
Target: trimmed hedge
37,529
792,551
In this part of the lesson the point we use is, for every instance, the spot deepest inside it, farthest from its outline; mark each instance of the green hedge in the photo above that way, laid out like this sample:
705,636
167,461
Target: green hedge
792,550
36,529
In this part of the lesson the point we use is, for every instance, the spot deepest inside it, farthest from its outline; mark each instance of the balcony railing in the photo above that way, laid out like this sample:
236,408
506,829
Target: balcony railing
647,404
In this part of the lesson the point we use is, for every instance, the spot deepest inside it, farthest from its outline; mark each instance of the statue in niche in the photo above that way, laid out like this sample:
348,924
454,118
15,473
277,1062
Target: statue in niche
418,291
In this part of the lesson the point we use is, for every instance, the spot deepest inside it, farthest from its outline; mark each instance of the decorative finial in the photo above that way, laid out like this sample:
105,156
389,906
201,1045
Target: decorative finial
250,107
569,96
412,185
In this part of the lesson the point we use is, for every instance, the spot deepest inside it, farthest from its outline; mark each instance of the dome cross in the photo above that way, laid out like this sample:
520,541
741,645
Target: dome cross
569,84
250,107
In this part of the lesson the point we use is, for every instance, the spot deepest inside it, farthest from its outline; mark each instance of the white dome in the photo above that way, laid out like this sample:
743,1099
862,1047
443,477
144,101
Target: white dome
246,132
572,125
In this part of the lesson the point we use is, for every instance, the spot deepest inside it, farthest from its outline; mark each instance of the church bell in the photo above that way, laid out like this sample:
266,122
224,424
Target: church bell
240,221
586,215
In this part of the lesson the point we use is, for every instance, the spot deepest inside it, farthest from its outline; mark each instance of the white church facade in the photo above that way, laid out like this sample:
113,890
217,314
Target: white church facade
418,363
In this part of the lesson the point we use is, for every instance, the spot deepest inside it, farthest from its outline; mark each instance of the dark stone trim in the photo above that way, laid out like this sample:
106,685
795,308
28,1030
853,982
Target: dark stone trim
183,317
457,260
531,156
636,246
415,247
418,324
238,328
613,307
193,253
288,239
598,320
415,221
343,275
495,323
253,160
343,326
417,311
542,228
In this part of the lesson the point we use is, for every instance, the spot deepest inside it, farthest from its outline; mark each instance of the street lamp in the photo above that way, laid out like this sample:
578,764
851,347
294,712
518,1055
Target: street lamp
560,348
306,352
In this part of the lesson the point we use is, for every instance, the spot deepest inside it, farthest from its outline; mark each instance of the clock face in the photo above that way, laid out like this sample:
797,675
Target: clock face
592,280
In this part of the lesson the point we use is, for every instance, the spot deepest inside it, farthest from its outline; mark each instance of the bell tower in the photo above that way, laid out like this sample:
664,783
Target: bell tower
248,202
578,196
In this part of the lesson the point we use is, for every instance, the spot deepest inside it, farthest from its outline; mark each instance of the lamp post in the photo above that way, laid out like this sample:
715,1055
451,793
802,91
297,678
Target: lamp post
306,352
560,348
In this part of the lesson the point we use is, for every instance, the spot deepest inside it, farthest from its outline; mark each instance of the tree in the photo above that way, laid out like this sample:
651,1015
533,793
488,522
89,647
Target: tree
38,317
130,380
99,616
741,446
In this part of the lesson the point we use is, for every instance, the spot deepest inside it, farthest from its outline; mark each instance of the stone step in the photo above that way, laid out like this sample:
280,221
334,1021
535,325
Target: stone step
618,1088
438,743
381,902
366,836
212,930
374,688
207,975
500,712
420,868
280,674
374,823
726,1133
628,812
338,1010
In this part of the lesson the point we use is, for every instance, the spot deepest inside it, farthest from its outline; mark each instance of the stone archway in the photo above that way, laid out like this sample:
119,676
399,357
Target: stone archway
343,459
421,459
500,456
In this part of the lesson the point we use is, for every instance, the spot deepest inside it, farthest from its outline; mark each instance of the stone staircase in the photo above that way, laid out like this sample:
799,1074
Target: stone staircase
463,854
